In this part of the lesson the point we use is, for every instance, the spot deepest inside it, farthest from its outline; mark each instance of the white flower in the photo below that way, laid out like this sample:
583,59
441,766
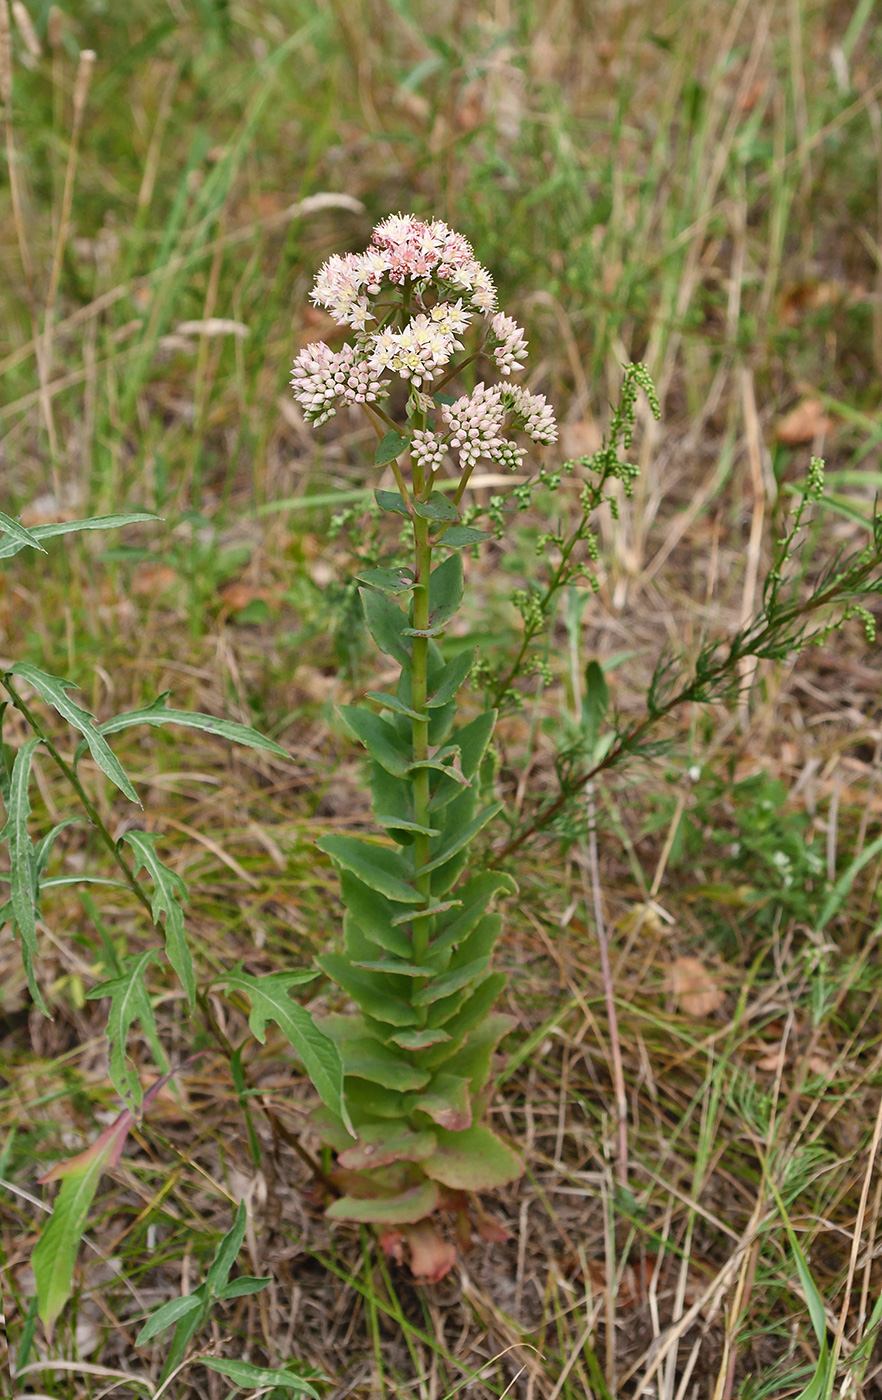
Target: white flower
511,343
475,421
428,449
532,412
320,378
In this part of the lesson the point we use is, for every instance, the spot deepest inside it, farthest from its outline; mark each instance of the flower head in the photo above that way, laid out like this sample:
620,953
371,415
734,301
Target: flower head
320,378
409,297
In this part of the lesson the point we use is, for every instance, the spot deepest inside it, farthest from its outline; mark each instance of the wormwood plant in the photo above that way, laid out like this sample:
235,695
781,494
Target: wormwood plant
418,931
162,895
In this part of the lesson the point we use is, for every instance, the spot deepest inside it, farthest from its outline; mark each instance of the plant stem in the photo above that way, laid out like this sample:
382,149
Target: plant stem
91,810
756,640
420,727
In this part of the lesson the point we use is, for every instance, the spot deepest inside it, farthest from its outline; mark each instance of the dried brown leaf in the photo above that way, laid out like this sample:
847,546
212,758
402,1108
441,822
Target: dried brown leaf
696,988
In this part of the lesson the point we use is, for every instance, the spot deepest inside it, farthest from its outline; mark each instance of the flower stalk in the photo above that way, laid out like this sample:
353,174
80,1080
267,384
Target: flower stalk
418,934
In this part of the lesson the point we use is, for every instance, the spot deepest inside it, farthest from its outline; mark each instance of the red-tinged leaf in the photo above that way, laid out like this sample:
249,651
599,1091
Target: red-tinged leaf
104,1152
391,1242
431,1257
55,1253
381,1143
405,1209
473,1160
491,1231
447,1102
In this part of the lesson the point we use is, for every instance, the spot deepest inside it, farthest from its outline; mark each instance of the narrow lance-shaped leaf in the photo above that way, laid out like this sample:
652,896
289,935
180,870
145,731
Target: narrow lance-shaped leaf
270,1002
54,691
22,862
228,1251
130,1003
169,895
13,543
158,714
16,532
248,1377
55,1253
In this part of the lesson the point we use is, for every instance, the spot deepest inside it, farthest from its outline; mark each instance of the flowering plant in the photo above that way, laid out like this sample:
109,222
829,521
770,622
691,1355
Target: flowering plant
418,934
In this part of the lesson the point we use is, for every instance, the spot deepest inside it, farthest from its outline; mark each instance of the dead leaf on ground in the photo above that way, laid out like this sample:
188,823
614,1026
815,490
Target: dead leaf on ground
149,580
696,988
804,423
237,596
800,297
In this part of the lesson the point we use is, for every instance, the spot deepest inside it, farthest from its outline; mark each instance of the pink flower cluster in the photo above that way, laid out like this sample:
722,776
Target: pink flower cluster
404,249
415,337
511,344
320,378
531,412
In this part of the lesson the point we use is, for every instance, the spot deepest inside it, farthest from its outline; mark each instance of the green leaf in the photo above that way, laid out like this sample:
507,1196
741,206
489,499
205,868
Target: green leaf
447,1101
386,624
429,910
473,1160
460,535
474,1059
387,580
270,1002
372,994
405,1209
368,1059
227,1251
595,704
390,447
392,823
18,534
420,1040
447,682
459,1014
168,1314
243,1287
157,714
437,507
475,895
381,1143
449,982
55,1253
391,501
461,838
371,1101
480,942
185,1327
445,590
44,846
248,1377
379,738
391,702
471,741
130,1002
374,914
23,865
380,869
53,690
169,896
67,527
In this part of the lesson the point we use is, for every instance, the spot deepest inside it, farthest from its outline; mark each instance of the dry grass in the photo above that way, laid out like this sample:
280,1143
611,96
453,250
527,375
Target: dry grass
696,186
